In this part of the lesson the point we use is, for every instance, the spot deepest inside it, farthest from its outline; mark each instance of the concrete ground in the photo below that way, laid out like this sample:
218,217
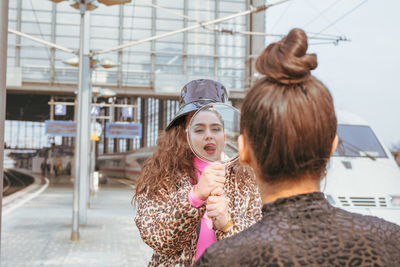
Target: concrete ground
37,233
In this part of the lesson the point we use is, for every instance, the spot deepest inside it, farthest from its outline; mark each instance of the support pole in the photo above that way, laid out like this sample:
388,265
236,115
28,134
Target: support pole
82,146
52,108
3,92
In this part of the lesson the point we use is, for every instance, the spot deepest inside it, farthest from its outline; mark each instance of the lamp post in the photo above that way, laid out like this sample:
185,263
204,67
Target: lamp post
82,140
83,148
82,144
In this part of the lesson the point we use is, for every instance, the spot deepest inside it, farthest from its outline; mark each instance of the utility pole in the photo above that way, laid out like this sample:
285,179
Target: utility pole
3,92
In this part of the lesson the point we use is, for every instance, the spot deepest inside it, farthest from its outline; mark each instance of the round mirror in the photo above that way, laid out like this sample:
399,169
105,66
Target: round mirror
213,131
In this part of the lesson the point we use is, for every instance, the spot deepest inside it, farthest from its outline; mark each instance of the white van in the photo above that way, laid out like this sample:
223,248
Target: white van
362,174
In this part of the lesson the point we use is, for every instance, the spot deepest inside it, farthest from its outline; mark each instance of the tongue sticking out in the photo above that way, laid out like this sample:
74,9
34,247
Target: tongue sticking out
210,148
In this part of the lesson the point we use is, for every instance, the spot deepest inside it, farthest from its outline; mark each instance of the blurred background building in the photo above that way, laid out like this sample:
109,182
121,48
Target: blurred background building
148,76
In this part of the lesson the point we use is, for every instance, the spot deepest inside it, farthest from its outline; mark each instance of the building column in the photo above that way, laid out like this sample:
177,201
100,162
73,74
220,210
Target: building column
53,40
161,115
120,41
116,117
185,38
256,23
153,46
143,120
3,94
18,38
216,43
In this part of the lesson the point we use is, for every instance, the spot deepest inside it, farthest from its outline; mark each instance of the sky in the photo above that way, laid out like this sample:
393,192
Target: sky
363,75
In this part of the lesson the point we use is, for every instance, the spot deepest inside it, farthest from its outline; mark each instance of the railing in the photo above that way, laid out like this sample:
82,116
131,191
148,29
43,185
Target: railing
163,83
67,75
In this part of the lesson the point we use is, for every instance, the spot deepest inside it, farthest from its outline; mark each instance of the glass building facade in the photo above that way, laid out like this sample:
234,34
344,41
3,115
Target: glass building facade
150,74
27,135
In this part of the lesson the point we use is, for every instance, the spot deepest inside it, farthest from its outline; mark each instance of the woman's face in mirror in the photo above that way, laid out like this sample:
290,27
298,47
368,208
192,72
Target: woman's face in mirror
207,135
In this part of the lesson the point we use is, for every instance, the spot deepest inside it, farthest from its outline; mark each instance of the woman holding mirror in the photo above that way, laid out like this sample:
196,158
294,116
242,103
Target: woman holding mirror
188,199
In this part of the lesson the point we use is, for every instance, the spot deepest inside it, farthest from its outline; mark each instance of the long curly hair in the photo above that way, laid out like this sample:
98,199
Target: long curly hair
171,160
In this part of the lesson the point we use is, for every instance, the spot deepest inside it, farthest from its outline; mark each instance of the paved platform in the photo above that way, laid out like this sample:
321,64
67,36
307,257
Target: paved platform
38,232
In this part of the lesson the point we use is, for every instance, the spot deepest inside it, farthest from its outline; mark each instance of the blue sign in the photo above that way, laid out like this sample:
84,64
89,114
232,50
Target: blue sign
60,109
123,130
95,111
127,112
60,128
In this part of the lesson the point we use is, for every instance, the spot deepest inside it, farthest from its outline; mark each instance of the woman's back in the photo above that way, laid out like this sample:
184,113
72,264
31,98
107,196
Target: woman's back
305,230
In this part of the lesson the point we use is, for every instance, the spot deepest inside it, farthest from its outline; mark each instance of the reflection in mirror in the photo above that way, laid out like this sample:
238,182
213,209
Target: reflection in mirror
213,132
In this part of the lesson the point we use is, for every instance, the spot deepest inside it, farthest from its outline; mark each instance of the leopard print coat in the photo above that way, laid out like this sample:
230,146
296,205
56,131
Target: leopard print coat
170,227
305,230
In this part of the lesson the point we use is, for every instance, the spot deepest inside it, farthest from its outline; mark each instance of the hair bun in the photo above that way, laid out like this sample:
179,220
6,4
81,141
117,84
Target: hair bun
286,61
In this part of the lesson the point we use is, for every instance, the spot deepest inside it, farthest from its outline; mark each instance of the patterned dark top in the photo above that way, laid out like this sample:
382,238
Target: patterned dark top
305,230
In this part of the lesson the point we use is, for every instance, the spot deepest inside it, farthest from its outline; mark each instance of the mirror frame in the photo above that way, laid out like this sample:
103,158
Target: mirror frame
227,162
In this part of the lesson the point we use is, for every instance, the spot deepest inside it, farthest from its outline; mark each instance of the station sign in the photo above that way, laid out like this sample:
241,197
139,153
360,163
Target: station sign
60,128
95,111
113,130
60,109
123,130
127,112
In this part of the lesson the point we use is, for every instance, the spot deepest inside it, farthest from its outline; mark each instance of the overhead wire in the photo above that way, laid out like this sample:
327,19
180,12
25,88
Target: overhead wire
230,31
56,81
323,34
40,30
343,16
282,15
321,13
323,43
131,34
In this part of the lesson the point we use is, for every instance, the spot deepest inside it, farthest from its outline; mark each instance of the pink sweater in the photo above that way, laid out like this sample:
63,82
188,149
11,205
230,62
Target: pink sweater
207,235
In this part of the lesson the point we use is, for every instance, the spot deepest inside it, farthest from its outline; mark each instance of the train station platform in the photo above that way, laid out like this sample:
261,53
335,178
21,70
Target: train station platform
37,232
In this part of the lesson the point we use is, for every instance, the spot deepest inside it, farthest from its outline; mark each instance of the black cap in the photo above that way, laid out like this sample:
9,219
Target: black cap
197,94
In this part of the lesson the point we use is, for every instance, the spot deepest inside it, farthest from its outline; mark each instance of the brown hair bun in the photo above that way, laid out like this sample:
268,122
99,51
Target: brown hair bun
286,61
